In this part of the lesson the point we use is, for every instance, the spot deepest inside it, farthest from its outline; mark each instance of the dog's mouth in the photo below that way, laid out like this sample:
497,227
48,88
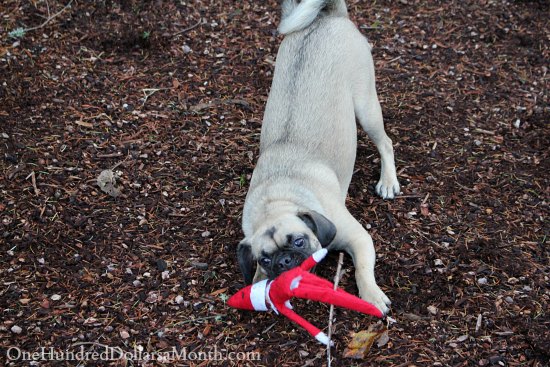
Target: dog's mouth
285,260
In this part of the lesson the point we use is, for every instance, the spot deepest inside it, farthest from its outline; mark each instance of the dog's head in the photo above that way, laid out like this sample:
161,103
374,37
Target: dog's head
284,243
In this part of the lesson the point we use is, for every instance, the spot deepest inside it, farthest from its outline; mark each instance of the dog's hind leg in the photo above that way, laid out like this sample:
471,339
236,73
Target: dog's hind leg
369,114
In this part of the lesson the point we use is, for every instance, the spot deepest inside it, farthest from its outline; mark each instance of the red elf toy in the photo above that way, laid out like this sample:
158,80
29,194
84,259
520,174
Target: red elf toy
299,282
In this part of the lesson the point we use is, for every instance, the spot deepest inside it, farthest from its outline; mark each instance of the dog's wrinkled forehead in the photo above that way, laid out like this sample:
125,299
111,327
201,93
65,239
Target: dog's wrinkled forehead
276,237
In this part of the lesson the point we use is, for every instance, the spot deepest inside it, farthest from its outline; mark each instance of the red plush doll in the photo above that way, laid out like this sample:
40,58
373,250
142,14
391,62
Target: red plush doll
298,282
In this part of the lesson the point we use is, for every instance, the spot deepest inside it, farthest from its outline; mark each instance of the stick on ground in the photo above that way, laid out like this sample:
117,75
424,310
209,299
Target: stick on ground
50,18
331,313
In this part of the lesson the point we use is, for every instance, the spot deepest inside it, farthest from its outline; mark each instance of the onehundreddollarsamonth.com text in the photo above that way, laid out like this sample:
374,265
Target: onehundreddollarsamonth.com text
101,352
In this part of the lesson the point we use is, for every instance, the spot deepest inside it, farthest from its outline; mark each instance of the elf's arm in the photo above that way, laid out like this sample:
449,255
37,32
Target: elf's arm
314,259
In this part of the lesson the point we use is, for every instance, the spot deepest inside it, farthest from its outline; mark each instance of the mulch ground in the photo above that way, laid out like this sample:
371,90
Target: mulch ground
170,95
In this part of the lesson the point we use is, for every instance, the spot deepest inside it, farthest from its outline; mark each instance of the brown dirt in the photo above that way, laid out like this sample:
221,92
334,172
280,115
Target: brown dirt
176,106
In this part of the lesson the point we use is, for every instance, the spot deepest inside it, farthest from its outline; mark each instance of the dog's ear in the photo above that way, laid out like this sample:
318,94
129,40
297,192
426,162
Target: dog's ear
246,261
323,228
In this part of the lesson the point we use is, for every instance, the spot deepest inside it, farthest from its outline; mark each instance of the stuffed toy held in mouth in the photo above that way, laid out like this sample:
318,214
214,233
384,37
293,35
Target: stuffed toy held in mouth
299,282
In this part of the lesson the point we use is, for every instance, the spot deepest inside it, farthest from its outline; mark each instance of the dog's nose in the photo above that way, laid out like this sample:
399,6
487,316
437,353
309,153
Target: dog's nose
285,262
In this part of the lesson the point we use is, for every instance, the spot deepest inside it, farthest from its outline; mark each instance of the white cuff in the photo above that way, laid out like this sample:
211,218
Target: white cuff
257,295
323,338
320,254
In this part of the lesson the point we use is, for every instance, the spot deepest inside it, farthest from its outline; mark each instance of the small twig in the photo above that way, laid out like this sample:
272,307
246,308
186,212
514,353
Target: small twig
426,238
48,8
426,198
478,322
148,92
488,132
331,313
188,28
384,63
379,27
99,115
408,197
32,176
203,106
464,187
110,155
50,18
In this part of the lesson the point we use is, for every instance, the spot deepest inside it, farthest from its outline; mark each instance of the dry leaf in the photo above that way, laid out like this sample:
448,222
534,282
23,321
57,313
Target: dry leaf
124,334
45,303
107,183
88,278
91,321
362,341
383,339
360,345
424,210
153,297
219,291
162,345
433,310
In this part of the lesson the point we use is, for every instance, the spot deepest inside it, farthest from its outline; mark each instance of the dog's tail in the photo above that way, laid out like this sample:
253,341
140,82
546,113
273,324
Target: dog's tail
297,14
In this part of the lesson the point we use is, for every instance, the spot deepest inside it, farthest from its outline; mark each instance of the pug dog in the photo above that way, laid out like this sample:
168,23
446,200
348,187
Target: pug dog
323,83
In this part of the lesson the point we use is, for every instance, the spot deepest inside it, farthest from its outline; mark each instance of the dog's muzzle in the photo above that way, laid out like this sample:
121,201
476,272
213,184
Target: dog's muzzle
286,260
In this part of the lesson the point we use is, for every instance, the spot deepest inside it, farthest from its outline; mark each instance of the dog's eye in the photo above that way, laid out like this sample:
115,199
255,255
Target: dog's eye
299,242
265,261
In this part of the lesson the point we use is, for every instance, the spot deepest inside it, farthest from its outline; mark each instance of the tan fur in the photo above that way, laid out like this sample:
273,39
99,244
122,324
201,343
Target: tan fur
324,80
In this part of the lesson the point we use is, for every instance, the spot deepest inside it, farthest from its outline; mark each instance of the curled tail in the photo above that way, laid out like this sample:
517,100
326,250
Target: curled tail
297,15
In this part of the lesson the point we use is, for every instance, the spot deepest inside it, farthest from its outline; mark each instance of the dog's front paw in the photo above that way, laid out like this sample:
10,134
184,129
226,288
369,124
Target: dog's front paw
388,187
373,294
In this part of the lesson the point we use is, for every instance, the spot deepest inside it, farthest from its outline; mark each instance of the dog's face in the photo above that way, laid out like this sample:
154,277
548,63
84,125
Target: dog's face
284,243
